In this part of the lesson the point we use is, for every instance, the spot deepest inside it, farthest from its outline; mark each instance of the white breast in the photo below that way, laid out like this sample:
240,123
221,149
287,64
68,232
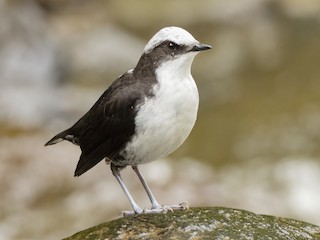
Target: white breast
164,121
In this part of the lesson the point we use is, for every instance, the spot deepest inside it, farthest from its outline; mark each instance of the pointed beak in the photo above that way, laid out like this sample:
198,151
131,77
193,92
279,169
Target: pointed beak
200,47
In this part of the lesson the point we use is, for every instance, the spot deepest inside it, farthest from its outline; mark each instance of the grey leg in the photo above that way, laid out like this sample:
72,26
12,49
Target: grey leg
156,207
155,204
116,173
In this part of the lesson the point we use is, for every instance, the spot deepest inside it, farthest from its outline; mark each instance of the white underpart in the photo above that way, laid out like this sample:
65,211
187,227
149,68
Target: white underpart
164,121
173,34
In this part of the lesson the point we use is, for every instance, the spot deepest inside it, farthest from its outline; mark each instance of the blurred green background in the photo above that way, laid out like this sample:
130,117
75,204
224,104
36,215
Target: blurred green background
255,144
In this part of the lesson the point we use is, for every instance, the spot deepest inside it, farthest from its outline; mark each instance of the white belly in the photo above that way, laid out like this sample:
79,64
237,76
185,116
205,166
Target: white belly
164,122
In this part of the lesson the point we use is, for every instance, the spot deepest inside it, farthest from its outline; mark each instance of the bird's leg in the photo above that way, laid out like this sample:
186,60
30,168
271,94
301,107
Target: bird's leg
116,173
154,203
156,207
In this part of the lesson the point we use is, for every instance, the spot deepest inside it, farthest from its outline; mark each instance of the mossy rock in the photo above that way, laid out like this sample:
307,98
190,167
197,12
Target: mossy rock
201,223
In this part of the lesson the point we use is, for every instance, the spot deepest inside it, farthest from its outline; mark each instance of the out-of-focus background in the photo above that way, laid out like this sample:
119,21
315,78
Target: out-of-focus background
256,144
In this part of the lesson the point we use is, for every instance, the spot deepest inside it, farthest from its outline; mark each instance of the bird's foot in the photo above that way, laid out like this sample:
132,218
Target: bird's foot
166,208
137,210
162,209
181,206
158,209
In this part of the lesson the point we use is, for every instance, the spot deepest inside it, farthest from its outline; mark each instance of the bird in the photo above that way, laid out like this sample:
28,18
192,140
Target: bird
144,115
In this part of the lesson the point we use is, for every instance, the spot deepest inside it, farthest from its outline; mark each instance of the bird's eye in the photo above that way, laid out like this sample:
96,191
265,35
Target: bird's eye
172,45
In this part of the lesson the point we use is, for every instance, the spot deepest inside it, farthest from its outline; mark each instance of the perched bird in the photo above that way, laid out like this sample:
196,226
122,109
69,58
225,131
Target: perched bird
146,114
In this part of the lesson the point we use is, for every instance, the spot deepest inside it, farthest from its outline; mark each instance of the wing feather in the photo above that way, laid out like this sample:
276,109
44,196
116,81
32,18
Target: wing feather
108,125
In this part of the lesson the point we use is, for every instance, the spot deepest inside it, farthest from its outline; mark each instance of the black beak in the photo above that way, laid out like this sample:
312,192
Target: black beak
200,47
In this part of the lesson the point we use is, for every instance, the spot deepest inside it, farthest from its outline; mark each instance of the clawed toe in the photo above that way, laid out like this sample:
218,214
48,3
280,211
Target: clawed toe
146,211
182,206
167,208
156,210
159,209
129,213
136,211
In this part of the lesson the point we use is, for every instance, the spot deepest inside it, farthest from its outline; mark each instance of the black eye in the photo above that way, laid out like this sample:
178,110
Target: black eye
172,45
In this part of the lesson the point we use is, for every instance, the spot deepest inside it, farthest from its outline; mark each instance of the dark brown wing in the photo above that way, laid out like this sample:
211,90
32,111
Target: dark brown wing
109,124
105,129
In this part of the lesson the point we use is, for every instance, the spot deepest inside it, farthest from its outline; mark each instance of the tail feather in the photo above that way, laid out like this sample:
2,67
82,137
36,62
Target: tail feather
65,135
89,160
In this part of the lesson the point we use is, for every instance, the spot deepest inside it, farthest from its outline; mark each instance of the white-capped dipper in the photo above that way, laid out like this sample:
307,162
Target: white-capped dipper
146,114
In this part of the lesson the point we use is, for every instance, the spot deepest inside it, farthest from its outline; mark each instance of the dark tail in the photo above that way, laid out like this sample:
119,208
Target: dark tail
89,160
65,135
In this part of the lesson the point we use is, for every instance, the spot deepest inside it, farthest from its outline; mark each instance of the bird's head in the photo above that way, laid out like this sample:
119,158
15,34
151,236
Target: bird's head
173,44
174,41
